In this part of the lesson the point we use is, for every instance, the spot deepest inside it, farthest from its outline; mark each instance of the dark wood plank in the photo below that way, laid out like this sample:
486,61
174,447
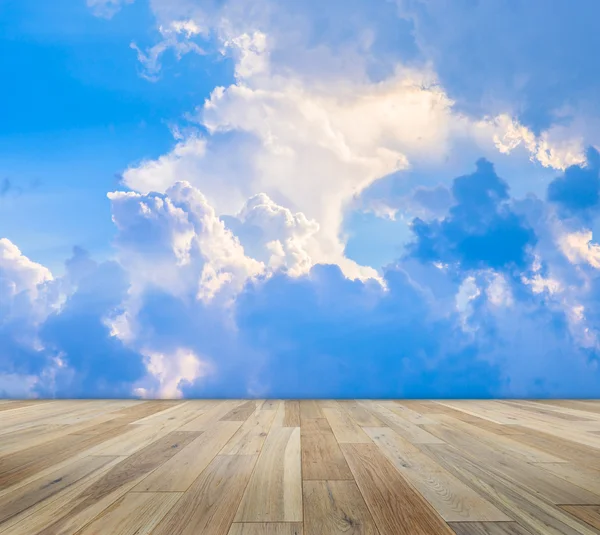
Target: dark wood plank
395,505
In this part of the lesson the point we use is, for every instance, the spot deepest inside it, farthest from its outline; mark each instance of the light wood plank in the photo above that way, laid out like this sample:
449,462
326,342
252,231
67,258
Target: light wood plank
322,457
136,513
209,506
336,508
344,428
590,514
450,497
359,414
412,432
267,528
396,507
292,414
527,508
114,484
179,472
488,528
250,437
22,498
240,413
274,493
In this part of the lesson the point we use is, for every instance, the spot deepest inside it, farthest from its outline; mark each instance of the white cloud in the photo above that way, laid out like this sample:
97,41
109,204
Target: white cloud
107,8
556,147
25,286
177,36
286,239
167,373
579,249
176,242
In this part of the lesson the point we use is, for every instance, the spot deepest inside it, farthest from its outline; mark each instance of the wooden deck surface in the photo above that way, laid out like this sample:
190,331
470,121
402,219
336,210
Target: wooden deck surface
309,467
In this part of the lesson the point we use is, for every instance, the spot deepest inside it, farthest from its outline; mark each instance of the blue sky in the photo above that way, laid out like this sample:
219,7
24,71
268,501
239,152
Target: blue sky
231,198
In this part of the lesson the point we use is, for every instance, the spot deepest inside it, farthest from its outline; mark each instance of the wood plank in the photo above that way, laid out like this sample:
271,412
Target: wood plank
211,415
180,471
209,506
488,528
582,476
412,432
12,405
267,528
359,414
20,465
336,507
115,483
240,413
450,497
590,514
527,508
136,513
274,492
270,404
344,428
250,437
497,442
567,449
554,412
407,413
396,507
522,474
310,409
292,414
322,457
41,515
14,502
434,409
145,409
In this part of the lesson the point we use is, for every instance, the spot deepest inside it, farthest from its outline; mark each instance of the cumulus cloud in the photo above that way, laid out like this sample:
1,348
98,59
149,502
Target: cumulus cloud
512,317
230,276
480,231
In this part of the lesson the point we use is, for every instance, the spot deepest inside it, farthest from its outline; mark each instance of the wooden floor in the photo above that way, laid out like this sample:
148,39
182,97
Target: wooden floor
238,467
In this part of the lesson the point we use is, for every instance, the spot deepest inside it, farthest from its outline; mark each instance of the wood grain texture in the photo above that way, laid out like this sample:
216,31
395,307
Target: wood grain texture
136,513
292,414
297,467
240,413
396,506
250,437
590,514
209,506
266,528
488,528
180,471
336,508
322,457
450,497
274,492
345,428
